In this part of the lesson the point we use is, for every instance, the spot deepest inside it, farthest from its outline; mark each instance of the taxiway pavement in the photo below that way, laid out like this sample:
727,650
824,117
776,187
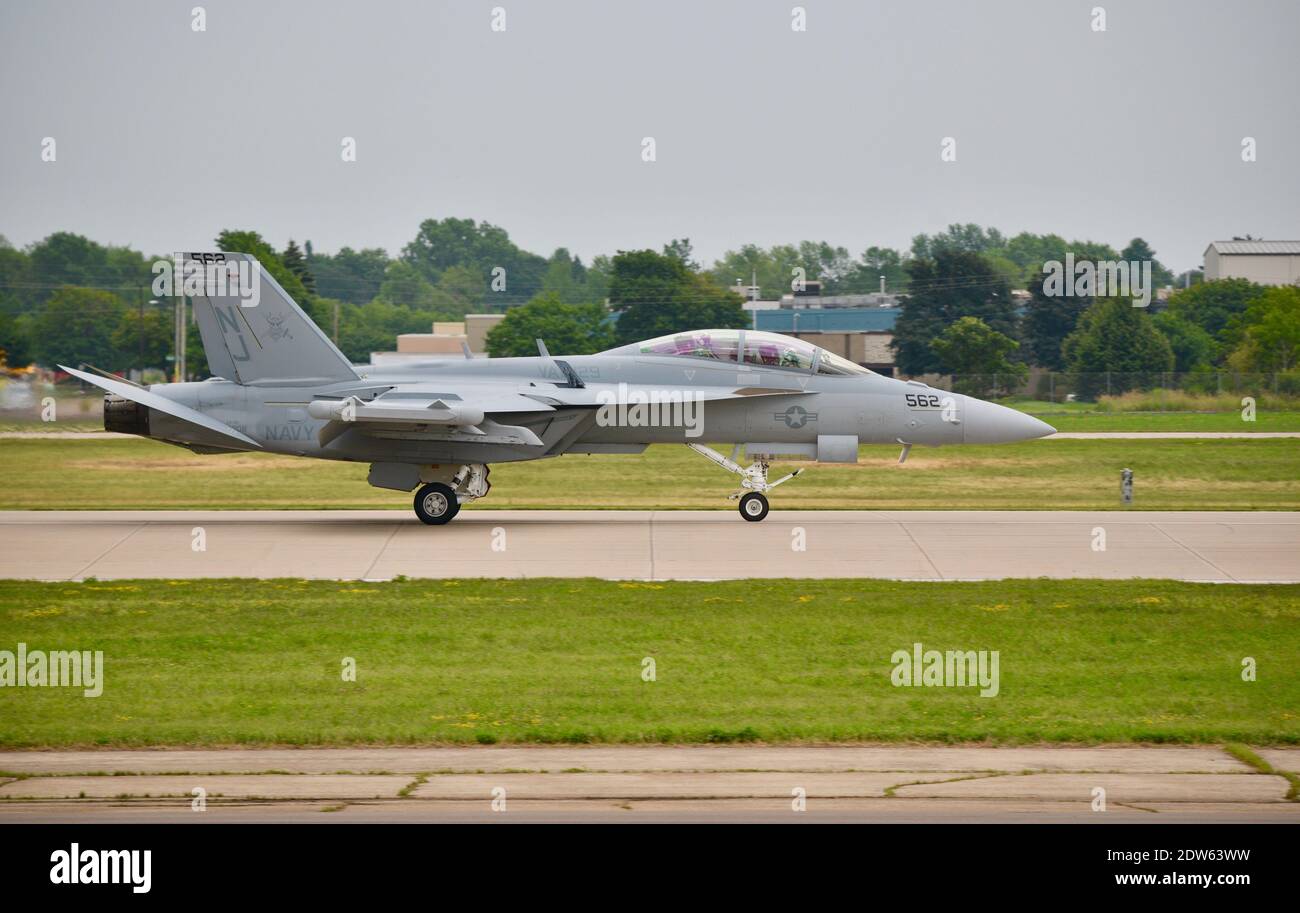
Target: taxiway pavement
1217,546
697,783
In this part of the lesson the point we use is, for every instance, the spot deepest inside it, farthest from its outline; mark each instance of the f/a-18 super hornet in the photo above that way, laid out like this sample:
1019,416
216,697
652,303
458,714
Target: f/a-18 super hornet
280,385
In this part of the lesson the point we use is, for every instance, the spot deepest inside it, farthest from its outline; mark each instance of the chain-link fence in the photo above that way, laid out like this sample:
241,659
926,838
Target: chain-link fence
1157,390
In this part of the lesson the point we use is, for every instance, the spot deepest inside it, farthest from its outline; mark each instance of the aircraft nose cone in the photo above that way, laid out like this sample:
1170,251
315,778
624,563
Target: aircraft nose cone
989,423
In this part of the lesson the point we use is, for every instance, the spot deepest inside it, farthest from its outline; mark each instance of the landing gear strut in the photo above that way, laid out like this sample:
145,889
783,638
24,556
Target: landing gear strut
437,503
754,485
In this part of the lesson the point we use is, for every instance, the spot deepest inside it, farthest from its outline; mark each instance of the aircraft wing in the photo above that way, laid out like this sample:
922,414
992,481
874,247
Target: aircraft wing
469,411
455,412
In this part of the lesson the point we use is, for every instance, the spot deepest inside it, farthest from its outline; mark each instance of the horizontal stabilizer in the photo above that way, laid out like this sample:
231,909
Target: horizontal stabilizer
163,404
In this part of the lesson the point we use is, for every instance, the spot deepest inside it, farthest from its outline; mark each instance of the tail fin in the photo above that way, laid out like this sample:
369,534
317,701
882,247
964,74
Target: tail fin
253,332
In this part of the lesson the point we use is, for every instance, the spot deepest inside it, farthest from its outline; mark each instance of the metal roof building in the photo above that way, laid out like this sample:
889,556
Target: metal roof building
829,320
1265,262
862,335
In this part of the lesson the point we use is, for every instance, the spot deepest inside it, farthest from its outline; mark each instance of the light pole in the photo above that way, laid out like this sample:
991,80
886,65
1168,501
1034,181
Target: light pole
178,341
153,302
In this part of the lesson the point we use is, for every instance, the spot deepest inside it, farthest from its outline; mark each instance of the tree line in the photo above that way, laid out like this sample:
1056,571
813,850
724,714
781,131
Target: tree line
67,299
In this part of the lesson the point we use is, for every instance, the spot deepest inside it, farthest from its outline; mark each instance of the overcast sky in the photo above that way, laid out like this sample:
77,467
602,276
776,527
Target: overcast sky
765,135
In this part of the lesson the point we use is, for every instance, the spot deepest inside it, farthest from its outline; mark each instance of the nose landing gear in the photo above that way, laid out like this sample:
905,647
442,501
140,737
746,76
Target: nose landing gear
754,485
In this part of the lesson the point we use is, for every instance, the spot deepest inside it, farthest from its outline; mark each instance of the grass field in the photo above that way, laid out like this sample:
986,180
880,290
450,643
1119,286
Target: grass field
1162,421
1060,474
259,662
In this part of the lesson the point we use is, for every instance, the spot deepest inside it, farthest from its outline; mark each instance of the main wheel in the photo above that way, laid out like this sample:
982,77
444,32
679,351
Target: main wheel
753,506
436,504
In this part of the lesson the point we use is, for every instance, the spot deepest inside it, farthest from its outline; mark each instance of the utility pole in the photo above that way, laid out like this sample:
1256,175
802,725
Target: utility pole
185,319
336,323
178,341
139,362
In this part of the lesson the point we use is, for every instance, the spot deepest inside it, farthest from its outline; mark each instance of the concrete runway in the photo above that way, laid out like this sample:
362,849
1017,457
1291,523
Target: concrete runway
1228,546
658,783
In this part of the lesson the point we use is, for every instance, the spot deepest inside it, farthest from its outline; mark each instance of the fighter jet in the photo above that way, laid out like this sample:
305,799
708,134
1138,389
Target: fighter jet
280,385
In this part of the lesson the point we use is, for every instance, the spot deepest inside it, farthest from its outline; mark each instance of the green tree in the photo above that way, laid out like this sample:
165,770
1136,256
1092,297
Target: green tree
775,268
656,294
1140,250
955,284
464,289
297,264
1194,349
404,285
75,326
1048,320
978,357
478,246
154,333
1213,305
350,275
753,262
1270,332
1116,339
375,326
15,340
682,250
16,282
597,276
65,258
566,277
250,242
1030,253
970,238
567,329
881,261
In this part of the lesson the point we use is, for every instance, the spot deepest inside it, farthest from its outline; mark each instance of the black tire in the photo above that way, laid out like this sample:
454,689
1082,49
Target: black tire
436,504
753,506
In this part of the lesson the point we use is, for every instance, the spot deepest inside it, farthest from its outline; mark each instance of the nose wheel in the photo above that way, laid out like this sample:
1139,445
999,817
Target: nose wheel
754,506
754,485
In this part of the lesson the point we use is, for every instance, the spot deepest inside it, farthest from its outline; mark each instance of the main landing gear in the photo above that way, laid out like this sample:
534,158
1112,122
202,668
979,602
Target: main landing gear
437,503
754,485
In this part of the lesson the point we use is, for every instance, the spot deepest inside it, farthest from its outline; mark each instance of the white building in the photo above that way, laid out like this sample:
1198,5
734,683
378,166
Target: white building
1265,262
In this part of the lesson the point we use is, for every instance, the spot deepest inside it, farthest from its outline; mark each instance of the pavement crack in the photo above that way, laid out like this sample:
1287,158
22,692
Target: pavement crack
924,554
108,551
379,554
1136,807
890,794
406,791
1191,551
651,530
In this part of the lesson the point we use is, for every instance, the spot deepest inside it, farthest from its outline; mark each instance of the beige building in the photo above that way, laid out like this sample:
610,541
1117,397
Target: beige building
1265,262
448,339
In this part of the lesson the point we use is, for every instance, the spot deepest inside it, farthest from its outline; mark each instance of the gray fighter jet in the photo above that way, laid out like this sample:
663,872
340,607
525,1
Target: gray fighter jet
434,428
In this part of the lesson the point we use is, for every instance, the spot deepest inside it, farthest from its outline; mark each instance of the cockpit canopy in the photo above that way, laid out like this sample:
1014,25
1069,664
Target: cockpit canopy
767,350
